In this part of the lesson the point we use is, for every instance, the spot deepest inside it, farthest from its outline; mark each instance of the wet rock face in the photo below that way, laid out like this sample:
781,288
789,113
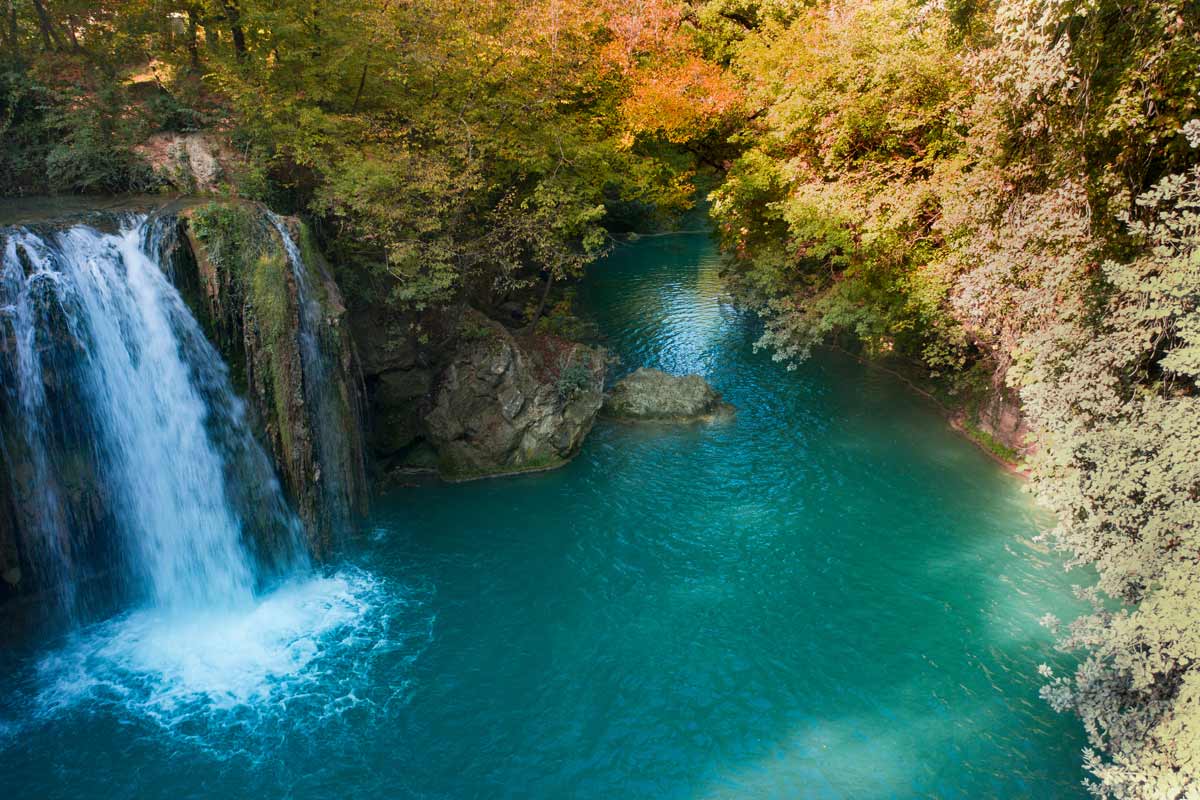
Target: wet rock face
650,394
10,558
233,269
507,404
399,373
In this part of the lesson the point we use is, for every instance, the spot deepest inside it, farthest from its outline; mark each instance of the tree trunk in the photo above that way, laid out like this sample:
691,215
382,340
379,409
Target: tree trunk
71,33
234,15
50,39
14,39
542,303
193,44
362,81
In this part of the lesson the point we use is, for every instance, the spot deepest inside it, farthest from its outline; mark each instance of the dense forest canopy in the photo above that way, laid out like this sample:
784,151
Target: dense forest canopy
1002,192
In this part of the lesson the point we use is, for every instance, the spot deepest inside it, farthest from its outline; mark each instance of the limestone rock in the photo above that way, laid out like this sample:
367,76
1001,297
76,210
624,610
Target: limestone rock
508,404
189,162
651,394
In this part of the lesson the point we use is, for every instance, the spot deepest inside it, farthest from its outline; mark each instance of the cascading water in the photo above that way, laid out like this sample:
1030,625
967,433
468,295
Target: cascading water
128,420
131,466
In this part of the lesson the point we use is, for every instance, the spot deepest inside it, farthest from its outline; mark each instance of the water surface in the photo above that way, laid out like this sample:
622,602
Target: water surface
832,596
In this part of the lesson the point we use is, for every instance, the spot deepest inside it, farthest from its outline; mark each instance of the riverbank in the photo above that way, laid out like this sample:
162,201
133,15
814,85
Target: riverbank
957,415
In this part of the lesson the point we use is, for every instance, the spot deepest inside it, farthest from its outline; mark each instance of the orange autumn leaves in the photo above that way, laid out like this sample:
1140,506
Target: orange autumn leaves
671,91
674,92
681,100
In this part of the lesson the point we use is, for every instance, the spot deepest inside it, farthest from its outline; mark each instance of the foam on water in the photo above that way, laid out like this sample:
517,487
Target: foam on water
171,667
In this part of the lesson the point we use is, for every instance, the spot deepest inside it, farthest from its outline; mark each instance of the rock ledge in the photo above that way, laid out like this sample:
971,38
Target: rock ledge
507,404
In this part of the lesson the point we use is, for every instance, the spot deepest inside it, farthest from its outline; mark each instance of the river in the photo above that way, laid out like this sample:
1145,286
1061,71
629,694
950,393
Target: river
831,596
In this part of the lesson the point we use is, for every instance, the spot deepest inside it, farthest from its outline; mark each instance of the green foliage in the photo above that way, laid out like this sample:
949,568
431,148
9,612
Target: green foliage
236,239
832,214
1113,401
91,153
455,149
560,320
574,376
473,329
22,131
449,150
67,138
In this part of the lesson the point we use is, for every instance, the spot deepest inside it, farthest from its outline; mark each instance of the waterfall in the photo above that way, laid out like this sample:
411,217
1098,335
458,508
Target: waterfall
131,454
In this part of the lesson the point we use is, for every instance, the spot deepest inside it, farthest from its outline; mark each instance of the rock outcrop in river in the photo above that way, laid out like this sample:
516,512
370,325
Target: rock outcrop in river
507,403
653,395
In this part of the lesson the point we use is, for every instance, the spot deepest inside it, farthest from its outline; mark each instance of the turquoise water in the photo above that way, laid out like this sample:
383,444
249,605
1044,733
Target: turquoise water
831,596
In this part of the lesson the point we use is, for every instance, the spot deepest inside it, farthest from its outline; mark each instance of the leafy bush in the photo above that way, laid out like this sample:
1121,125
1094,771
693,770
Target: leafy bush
574,376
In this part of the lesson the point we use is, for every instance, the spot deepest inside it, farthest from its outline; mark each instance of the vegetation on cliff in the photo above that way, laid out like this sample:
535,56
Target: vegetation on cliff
1002,191
249,296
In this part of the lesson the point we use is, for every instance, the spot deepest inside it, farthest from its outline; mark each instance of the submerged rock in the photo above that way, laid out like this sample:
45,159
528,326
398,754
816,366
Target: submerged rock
651,394
507,404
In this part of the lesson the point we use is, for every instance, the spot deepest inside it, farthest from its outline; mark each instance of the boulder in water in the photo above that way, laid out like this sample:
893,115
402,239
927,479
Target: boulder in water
651,394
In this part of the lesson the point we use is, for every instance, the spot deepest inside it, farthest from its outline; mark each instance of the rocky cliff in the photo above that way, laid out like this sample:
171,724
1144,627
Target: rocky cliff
233,265
401,356
992,418
508,403
467,398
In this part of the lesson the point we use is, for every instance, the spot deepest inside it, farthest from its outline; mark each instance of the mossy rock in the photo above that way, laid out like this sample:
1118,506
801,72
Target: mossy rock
654,395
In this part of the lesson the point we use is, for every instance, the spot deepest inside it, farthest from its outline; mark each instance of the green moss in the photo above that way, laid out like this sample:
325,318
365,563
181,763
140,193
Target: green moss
239,242
311,255
475,330
990,443
268,295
